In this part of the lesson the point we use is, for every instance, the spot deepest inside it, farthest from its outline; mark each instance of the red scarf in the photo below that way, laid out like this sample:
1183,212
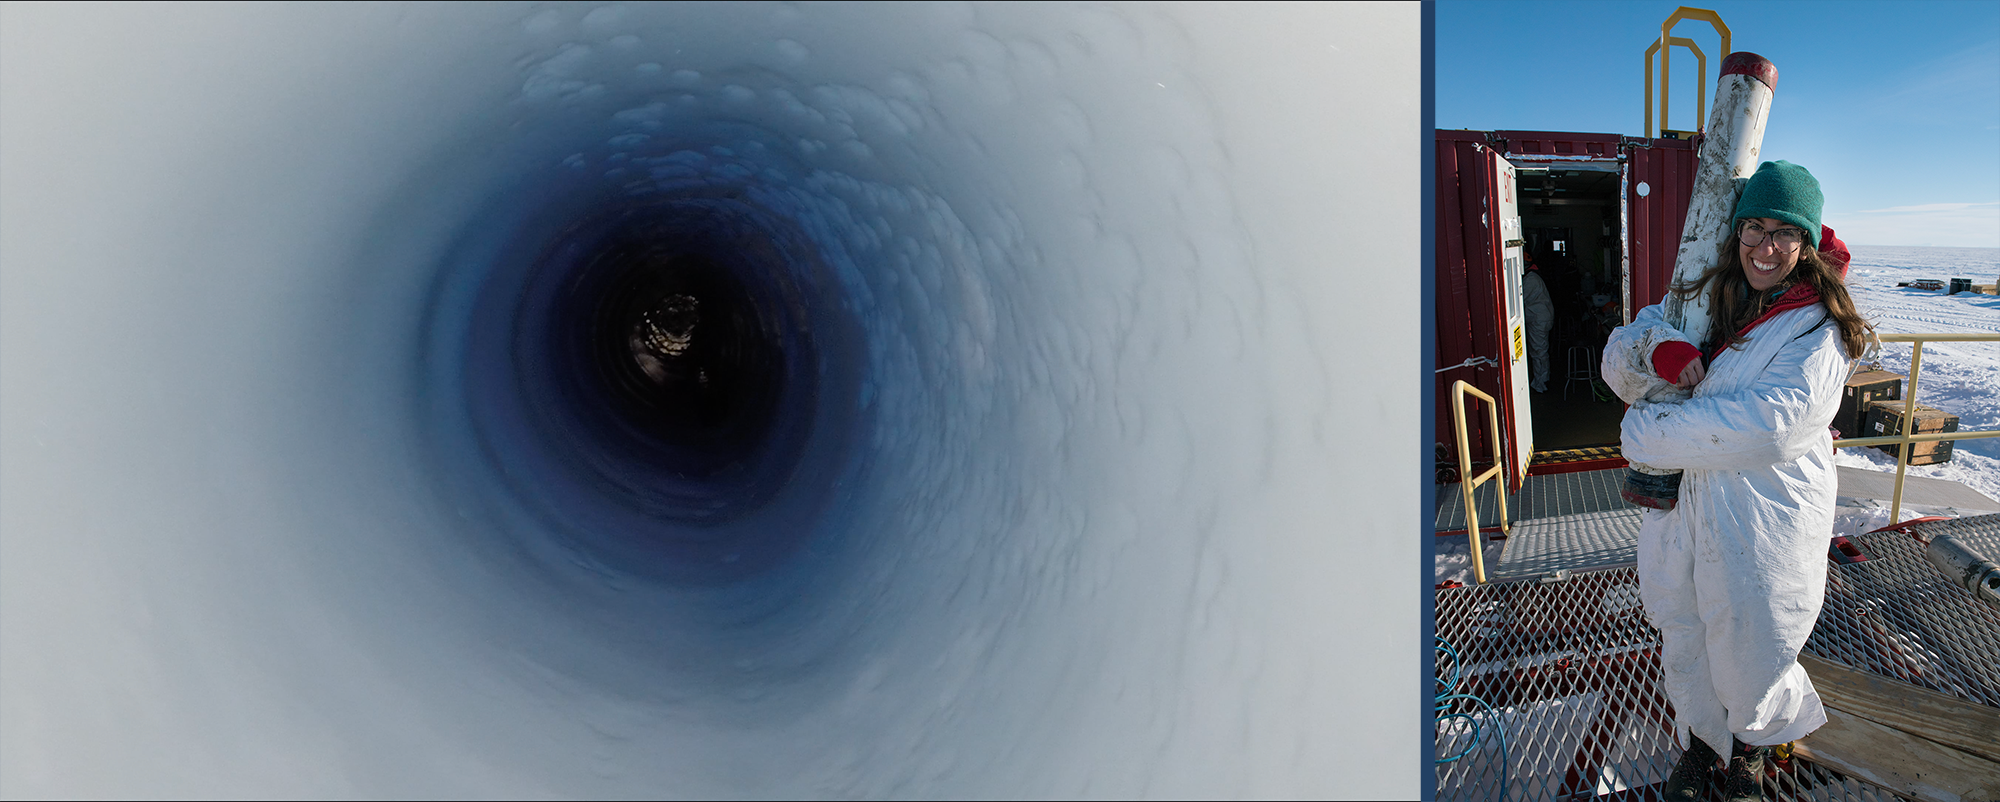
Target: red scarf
1800,294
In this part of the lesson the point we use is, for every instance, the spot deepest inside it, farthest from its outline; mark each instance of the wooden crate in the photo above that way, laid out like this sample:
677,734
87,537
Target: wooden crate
1885,419
1862,389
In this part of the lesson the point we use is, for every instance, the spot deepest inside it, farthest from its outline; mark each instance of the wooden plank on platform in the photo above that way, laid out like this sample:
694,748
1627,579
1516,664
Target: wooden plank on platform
1933,716
1899,761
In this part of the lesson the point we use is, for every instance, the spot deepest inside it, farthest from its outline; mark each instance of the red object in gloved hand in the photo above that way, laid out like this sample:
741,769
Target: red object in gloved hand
1672,357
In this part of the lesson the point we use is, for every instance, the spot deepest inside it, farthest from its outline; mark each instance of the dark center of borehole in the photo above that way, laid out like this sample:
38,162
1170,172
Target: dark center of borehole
657,374
684,355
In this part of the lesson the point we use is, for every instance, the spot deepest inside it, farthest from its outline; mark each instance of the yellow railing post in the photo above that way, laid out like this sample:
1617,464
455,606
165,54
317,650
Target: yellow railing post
1664,47
1904,441
1467,482
1907,449
1701,83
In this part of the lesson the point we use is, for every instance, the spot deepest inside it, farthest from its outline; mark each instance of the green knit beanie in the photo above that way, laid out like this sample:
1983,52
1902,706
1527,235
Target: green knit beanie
1784,191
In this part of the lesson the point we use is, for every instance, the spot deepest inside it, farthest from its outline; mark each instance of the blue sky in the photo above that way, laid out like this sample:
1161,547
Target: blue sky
1894,106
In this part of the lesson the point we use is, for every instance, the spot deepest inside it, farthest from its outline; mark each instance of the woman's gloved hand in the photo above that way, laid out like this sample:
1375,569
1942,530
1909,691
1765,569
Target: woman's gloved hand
1679,364
1691,375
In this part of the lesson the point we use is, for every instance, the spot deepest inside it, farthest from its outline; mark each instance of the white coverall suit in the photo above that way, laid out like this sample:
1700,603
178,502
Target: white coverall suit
1734,575
1540,313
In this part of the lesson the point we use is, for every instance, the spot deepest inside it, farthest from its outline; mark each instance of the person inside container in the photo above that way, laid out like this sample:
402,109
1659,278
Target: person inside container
1733,574
1539,312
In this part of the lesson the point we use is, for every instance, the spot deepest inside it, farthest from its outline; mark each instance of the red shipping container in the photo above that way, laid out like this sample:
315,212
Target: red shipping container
1654,179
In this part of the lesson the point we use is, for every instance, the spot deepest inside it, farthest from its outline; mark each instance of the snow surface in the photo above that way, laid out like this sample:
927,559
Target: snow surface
1960,378
1104,532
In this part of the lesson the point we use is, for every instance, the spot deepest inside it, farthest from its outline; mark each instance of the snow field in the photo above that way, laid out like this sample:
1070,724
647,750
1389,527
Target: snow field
1960,378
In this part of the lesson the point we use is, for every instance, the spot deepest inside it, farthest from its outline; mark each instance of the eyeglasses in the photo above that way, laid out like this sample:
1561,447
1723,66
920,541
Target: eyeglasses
1784,239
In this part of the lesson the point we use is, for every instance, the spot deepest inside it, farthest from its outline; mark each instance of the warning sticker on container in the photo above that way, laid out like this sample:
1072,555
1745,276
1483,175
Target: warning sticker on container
1520,342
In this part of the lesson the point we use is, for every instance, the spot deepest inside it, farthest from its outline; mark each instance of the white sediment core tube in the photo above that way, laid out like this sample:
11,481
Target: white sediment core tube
1083,455
1730,150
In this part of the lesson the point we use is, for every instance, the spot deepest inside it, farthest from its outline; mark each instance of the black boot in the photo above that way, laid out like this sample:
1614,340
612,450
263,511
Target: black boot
1689,782
1745,782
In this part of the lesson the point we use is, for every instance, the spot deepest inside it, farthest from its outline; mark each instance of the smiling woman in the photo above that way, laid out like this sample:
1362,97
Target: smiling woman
696,400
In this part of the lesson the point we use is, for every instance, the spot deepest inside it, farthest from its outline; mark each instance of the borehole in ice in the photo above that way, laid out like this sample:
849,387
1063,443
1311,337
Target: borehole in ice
707,400
653,372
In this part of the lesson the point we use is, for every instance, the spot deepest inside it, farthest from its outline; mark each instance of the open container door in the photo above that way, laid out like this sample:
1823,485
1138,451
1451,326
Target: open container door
1479,311
1520,440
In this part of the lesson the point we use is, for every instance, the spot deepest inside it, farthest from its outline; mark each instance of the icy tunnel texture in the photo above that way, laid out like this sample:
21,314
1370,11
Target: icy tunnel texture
709,400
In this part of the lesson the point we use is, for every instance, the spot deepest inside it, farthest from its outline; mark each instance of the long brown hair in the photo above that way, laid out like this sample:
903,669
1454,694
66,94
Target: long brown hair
1732,304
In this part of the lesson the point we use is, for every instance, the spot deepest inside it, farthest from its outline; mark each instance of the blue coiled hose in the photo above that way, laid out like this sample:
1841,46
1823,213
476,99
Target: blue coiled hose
1442,701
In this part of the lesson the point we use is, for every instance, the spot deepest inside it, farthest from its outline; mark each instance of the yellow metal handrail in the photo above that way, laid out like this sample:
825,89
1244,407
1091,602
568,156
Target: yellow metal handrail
1467,481
1905,440
1700,85
1664,48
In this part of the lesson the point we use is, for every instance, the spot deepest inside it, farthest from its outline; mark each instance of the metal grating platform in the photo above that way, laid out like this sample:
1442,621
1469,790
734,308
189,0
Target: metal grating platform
1896,616
1547,496
1597,491
1578,522
1567,521
1568,672
1569,542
